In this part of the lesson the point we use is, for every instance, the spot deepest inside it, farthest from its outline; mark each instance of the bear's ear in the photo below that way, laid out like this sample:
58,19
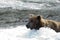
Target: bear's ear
38,17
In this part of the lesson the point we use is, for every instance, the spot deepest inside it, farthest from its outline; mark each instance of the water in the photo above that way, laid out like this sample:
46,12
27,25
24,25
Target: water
22,33
30,4
14,16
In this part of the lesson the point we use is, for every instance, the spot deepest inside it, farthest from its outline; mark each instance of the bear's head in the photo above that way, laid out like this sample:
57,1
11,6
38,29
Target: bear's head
34,22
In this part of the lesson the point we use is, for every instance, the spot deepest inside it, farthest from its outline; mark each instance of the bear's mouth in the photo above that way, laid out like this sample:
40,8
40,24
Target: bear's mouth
36,27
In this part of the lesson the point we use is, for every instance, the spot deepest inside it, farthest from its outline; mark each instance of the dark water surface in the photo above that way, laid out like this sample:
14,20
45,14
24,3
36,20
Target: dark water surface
15,12
13,17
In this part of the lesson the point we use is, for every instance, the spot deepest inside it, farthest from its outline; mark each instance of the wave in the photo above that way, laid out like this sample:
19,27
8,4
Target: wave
30,4
22,33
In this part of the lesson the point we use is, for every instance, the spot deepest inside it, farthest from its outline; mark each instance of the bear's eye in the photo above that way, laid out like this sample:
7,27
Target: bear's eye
31,20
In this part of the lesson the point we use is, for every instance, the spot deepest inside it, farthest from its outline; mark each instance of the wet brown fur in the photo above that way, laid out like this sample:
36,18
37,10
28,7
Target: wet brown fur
47,23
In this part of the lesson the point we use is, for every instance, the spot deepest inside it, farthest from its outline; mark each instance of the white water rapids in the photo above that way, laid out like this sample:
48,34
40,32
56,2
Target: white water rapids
22,33
30,4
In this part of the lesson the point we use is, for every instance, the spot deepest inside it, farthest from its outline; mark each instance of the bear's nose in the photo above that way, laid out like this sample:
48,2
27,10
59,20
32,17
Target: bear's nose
27,26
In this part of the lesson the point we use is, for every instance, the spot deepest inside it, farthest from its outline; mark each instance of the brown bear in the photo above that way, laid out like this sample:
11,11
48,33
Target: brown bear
36,22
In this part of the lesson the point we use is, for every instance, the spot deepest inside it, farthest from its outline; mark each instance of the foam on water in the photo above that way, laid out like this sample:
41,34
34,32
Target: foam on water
20,4
22,33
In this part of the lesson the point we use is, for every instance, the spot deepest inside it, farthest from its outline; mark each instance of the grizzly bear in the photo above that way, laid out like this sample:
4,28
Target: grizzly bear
36,22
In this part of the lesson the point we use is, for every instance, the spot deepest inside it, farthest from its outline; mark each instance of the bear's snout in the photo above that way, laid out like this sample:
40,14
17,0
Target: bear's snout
27,26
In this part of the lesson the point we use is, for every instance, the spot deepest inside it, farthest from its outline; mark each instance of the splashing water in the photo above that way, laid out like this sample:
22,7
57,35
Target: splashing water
22,33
